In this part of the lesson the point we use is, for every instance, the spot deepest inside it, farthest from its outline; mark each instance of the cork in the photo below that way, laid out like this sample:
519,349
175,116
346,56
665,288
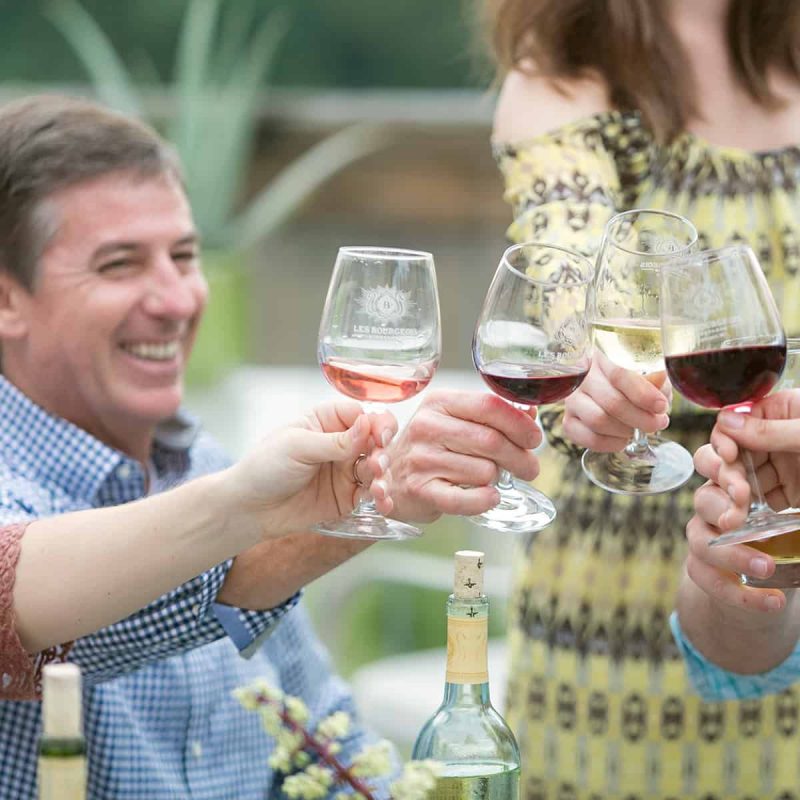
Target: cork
61,700
468,582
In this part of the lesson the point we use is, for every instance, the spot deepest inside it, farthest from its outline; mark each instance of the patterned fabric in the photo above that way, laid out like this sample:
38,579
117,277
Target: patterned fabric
160,720
714,683
599,693
20,672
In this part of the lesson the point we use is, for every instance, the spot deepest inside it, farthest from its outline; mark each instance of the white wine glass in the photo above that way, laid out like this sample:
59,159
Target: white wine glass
379,342
531,347
626,324
725,347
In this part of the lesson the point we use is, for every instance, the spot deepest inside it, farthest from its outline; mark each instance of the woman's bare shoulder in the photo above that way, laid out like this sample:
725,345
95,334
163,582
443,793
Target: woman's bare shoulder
530,104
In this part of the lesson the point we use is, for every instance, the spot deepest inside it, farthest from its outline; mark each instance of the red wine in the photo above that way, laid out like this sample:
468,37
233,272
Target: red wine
532,385
717,378
381,383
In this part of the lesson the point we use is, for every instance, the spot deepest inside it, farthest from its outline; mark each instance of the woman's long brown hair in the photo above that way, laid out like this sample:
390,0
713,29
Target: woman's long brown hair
632,46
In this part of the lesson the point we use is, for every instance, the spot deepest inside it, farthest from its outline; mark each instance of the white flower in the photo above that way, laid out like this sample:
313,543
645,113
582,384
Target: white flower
417,781
297,710
313,784
375,759
335,726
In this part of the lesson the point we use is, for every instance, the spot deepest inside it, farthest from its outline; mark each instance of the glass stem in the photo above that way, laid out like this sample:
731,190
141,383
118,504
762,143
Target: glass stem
638,443
366,503
505,481
758,505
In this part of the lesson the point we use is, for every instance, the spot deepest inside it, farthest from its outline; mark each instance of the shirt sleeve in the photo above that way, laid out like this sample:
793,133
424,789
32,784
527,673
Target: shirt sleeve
304,667
562,187
714,683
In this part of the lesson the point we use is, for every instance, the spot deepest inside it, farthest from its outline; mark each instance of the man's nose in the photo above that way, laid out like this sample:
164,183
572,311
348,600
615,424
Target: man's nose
176,294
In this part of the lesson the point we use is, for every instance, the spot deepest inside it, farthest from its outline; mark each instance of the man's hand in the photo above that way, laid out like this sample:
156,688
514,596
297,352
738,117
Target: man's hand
603,411
448,456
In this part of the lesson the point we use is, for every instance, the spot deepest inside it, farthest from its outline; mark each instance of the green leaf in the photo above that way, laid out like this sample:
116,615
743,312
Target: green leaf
296,182
110,78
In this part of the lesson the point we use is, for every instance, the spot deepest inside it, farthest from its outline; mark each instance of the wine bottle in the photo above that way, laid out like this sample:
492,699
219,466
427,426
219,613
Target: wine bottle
477,750
62,749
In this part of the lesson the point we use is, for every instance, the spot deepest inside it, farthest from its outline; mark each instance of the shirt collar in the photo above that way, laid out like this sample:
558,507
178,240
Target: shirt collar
51,450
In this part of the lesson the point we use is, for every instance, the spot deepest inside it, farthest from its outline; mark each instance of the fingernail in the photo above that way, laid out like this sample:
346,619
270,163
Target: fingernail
732,420
387,437
381,488
758,567
772,603
663,422
355,431
383,462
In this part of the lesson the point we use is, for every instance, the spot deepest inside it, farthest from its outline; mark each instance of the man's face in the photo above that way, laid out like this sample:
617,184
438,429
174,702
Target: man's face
110,323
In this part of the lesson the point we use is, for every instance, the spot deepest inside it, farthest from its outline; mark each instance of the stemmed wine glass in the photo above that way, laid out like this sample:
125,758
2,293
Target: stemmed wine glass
624,312
724,347
532,346
379,342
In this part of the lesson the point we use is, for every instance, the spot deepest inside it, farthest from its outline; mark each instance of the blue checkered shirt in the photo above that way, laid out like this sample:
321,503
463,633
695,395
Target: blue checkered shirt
713,683
160,721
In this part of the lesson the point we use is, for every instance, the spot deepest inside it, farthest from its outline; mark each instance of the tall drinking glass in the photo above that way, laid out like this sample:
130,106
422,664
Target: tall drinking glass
379,342
725,347
626,323
532,346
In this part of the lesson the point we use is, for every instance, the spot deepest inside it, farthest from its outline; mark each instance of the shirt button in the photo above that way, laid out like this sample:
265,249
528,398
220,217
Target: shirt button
197,749
196,610
124,471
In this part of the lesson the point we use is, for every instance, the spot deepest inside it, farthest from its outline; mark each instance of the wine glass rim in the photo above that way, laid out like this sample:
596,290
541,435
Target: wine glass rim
660,213
587,278
376,252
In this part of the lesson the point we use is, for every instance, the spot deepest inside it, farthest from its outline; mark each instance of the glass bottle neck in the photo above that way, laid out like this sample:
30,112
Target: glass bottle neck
467,679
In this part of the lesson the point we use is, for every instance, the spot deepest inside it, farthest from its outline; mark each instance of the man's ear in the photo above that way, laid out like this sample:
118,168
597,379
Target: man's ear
14,299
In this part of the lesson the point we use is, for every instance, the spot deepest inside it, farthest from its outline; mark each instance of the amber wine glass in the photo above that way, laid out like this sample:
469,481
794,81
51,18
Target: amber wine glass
379,342
626,323
532,347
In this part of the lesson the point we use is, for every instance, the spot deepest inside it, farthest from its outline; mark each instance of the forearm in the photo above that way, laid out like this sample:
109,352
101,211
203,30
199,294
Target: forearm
271,572
740,641
116,560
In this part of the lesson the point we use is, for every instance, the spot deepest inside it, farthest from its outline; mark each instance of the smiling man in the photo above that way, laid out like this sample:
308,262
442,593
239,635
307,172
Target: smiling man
101,294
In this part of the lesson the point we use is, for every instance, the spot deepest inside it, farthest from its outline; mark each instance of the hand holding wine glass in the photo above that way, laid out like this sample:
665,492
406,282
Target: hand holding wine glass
624,311
531,347
724,347
380,342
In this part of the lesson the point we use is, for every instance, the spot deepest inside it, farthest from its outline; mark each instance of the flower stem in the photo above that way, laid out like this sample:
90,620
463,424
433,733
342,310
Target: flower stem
321,749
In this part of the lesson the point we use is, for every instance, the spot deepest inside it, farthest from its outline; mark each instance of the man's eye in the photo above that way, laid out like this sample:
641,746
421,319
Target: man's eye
111,266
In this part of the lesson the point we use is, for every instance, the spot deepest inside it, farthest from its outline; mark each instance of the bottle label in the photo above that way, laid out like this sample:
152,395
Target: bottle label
467,642
62,778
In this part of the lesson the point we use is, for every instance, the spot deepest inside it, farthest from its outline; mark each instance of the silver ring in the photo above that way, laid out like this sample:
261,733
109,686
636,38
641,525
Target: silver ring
356,479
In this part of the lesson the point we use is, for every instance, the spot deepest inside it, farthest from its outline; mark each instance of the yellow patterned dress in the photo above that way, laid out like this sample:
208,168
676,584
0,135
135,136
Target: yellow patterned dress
599,696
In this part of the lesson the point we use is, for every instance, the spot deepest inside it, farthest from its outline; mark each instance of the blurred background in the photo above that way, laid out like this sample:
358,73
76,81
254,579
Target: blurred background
305,125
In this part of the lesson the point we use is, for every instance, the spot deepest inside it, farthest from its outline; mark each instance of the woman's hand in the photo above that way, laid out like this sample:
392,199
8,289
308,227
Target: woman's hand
603,412
304,473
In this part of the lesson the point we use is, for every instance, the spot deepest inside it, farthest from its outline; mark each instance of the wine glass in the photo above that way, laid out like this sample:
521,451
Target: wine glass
626,325
724,347
379,342
532,346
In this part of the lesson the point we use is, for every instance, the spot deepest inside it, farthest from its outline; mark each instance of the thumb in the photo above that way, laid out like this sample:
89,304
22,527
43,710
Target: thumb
313,447
776,435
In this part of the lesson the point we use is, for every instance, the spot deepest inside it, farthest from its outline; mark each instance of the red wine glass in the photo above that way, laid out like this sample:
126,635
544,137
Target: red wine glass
532,346
379,342
724,347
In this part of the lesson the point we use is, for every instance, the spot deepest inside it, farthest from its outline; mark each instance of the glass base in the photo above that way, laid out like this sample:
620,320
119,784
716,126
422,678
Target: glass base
522,509
661,467
759,528
372,527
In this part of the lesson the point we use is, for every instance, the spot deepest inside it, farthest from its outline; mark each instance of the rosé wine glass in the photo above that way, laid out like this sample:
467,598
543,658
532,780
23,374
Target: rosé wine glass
379,342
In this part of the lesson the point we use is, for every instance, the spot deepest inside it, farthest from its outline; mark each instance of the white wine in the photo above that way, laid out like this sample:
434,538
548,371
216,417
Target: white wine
477,781
634,344
477,750
62,749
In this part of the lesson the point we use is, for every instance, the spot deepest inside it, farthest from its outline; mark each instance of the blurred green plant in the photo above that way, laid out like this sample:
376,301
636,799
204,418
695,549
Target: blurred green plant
224,55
